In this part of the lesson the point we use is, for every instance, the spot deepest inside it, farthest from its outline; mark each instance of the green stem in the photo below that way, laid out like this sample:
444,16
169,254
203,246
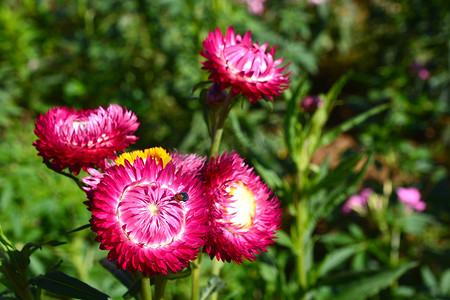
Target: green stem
301,224
160,286
145,293
395,247
218,128
196,267
217,266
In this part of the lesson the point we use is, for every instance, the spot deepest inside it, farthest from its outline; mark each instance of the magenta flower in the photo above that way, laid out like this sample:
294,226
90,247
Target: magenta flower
245,215
83,139
357,202
149,217
235,62
411,198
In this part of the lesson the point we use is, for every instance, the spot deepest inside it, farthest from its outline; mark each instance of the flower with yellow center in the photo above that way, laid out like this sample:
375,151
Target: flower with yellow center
244,213
137,218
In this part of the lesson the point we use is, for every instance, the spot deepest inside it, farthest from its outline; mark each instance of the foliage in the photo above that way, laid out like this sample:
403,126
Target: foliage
144,55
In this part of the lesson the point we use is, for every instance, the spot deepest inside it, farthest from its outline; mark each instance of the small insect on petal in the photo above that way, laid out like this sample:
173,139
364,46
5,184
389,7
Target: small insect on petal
184,197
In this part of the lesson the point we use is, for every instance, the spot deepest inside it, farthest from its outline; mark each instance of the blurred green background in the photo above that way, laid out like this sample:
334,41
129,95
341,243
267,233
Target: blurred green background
144,54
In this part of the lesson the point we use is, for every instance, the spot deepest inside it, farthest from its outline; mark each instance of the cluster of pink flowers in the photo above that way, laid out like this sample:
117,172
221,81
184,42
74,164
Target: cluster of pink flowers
153,210
409,196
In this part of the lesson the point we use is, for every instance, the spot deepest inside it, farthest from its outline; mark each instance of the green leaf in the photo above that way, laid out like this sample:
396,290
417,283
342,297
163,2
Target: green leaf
200,85
331,135
291,122
365,284
62,284
336,258
428,278
284,239
356,232
214,284
342,180
445,283
417,222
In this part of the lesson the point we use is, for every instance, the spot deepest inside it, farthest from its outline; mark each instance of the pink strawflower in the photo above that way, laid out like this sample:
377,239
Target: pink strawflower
96,176
411,198
358,202
81,139
144,220
245,214
311,103
235,62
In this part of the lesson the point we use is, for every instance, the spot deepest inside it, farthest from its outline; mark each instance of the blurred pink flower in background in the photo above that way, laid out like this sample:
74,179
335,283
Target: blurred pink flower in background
411,198
420,70
316,2
311,103
255,7
357,202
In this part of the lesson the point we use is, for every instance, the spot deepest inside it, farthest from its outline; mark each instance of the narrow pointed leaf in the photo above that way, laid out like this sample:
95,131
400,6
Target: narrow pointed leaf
331,135
370,285
214,284
62,284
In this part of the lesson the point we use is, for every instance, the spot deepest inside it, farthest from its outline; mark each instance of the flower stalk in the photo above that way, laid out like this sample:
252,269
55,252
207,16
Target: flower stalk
145,293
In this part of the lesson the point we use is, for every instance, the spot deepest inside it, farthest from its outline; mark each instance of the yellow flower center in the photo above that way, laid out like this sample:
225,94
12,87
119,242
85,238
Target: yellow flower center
153,208
243,205
156,152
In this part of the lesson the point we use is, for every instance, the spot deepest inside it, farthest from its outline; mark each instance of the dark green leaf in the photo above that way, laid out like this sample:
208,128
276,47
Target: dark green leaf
200,85
124,276
62,284
78,229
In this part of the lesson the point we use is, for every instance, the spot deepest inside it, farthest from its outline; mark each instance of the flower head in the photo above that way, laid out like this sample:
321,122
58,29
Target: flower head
82,139
411,198
138,217
235,62
245,215
358,202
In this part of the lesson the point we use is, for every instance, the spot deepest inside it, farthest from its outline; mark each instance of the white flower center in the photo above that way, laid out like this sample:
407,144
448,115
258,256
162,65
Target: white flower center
242,207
